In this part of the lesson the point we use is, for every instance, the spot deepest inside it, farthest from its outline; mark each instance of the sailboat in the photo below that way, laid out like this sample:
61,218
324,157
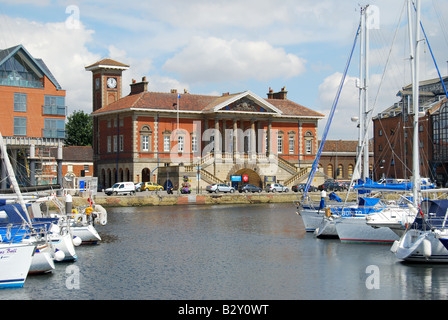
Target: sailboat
312,214
15,254
326,222
422,240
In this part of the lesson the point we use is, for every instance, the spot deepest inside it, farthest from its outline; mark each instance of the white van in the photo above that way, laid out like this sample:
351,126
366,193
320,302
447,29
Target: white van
121,188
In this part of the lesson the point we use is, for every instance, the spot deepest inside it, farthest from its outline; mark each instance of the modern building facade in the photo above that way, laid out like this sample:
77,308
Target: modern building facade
393,135
166,136
32,117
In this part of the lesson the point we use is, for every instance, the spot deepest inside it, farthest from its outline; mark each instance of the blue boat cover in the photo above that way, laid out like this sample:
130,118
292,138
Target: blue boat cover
12,215
368,202
434,212
333,196
404,186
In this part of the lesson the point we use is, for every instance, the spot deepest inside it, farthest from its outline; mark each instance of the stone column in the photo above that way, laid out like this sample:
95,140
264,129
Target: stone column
224,147
59,162
252,141
217,147
235,139
268,147
32,165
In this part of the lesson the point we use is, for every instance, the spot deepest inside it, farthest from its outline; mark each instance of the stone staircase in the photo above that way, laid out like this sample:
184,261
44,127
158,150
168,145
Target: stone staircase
295,178
210,178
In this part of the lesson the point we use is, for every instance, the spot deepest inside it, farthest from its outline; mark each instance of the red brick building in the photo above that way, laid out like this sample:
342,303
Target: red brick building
338,159
32,116
162,137
393,135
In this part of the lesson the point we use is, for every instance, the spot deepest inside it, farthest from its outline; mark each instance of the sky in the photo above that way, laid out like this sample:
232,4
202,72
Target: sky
213,47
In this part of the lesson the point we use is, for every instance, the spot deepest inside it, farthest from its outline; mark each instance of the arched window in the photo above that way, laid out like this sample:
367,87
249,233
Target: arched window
330,171
309,137
350,170
340,172
145,136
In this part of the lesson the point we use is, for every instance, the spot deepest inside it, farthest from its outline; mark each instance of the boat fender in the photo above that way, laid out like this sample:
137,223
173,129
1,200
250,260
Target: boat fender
102,214
59,255
76,241
394,247
426,248
89,210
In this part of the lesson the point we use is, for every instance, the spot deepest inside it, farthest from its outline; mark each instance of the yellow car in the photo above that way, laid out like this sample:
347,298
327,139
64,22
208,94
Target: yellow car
151,186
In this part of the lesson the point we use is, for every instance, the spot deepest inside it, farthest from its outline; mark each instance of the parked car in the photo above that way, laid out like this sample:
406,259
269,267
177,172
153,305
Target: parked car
121,188
331,186
249,188
138,186
219,187
151,186
301,187
276,187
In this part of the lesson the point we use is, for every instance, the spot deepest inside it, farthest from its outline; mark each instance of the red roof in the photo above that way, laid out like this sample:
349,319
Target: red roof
198,103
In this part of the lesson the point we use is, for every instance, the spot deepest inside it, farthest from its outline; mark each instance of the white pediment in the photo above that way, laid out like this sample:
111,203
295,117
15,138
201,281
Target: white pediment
246,102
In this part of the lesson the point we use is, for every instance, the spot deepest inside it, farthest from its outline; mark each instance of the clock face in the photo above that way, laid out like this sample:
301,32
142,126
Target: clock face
112,83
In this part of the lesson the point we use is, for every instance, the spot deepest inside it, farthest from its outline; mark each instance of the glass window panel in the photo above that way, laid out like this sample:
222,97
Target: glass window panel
19,126
20,102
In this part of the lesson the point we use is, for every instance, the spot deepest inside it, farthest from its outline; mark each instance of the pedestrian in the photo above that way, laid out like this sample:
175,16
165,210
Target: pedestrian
323,195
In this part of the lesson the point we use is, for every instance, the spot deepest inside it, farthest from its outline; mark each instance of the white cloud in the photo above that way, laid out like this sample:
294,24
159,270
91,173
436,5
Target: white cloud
346,108
213,60
62,49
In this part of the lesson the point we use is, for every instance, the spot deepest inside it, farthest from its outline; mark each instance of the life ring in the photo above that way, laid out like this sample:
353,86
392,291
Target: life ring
74,212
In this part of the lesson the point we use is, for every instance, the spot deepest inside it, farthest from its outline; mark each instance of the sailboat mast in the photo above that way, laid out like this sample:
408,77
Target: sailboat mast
12,179
366,95
415,103
361,92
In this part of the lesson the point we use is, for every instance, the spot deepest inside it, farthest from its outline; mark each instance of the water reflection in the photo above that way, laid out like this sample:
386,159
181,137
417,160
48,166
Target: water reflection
229,252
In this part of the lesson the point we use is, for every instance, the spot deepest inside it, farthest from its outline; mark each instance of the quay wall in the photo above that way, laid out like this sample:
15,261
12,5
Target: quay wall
181,199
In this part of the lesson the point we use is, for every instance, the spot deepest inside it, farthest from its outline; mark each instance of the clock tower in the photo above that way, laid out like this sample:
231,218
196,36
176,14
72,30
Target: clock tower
107,83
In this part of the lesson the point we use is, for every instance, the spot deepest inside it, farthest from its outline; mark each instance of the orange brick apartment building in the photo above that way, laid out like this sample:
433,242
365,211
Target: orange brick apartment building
165,136
32,116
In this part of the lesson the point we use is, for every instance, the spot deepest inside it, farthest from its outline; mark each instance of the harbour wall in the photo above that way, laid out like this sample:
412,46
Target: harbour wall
185,199
171,200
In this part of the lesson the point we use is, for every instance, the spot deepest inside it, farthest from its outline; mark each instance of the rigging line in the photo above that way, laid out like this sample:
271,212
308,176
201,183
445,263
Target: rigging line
433,58
330,117
370,112
388,58
389,144
441,22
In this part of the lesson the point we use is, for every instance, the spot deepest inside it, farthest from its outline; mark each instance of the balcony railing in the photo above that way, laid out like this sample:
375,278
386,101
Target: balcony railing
21,83
54,110
53,133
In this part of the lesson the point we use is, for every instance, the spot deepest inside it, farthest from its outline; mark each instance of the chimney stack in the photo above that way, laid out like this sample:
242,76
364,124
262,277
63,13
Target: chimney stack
281,95
139,87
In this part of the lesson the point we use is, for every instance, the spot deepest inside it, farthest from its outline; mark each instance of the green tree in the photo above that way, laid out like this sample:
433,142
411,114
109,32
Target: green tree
79,129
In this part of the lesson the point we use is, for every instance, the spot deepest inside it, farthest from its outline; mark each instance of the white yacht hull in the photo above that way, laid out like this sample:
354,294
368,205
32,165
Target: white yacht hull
15,262
42,261
355,230
311,218
327,228
420,246
88,234
62,240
